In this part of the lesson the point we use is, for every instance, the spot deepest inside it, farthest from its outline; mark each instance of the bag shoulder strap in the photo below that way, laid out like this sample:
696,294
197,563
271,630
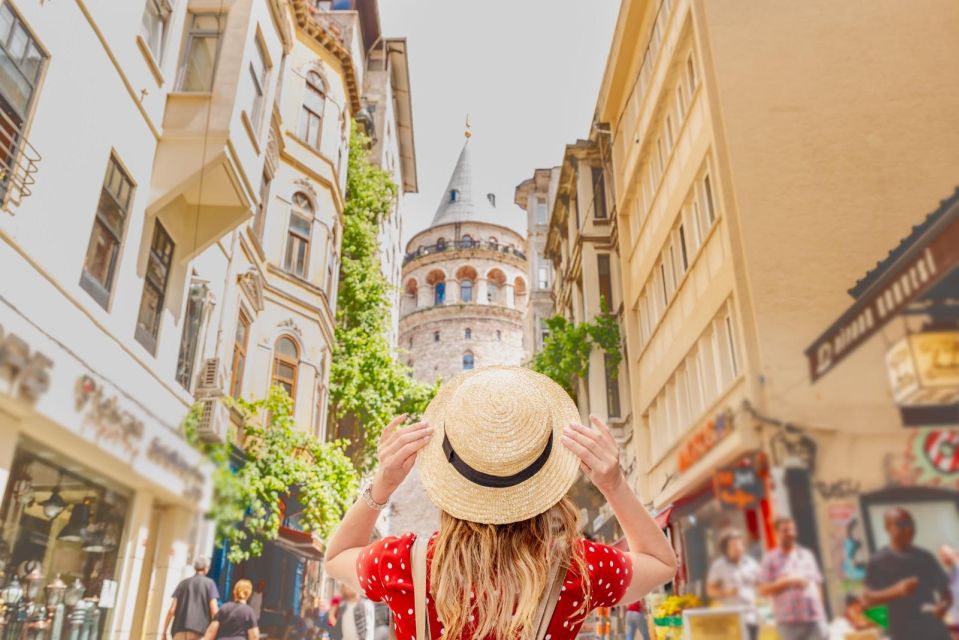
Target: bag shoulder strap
544,611
418,564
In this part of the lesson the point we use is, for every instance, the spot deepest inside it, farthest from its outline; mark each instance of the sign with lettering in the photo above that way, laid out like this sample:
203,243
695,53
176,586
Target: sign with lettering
703,439
104,415
739,488
924,369
903,283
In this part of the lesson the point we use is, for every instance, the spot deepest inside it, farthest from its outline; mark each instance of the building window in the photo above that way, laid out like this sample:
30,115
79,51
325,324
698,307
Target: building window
468,361
492,292
468,334
542,273
154,288
690,75
100,263
156,16
454,195
259,70
22,60
286,361
314,104
239,354
599,194
200,55
259,219
466,241
669,133
540,211
612,390
605,282
298,236
708,201
499,335
683,249
466,291
189,341
436,336
439,293
331,264
680,101
440,244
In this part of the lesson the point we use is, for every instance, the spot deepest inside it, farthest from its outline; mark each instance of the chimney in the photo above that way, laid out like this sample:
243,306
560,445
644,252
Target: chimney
492,198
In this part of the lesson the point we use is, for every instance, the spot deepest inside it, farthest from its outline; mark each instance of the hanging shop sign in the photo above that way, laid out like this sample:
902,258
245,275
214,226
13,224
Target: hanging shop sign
905,281
924,369
103,413
703,439
738,488
26,372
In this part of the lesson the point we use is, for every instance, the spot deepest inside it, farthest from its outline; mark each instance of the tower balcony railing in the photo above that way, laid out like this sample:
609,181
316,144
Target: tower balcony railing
18,162
460,245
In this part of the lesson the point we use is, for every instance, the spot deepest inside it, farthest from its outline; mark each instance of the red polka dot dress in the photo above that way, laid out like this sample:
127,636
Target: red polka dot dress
386,575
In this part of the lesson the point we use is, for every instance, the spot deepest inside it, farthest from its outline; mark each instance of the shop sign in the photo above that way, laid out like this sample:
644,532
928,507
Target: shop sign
103,413
880,303
738,488
27,372
924,369
703,439
170,459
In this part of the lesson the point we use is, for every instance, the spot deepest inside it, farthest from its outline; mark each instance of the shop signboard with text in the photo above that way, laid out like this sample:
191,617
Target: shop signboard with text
703,439
924,369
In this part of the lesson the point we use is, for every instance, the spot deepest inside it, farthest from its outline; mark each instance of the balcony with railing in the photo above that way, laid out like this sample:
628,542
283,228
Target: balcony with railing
460,245
18,162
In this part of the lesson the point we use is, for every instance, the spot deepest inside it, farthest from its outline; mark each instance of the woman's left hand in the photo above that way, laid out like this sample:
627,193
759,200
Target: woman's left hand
598,453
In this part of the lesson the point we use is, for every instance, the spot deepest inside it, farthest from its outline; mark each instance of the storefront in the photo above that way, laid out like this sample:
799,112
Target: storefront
103,499
904,322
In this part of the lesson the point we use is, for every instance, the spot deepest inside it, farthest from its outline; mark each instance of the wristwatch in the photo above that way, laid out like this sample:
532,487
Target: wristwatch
370,502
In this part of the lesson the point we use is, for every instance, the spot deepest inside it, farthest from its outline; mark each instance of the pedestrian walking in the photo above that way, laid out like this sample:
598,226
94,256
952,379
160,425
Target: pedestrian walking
235,620
790,575
355,618
909,581
497,451
256,599
733,579
636,621
193,606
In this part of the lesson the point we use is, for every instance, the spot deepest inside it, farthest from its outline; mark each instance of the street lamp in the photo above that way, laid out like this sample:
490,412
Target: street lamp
55,591
73,593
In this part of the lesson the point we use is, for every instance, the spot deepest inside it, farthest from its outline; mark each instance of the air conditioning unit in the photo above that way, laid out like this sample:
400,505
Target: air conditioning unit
211,382
214,422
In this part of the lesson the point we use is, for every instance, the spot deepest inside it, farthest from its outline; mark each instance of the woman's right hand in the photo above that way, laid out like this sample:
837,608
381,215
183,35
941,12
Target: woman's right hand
397,454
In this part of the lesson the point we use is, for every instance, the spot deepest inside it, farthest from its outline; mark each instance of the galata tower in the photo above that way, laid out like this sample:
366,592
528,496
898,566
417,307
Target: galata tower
463,305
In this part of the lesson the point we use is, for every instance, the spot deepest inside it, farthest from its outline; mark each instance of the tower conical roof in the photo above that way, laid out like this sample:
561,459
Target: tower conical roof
457,203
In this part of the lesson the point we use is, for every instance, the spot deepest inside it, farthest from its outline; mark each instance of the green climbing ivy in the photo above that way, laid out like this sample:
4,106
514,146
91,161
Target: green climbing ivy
565,353
277,459
368,383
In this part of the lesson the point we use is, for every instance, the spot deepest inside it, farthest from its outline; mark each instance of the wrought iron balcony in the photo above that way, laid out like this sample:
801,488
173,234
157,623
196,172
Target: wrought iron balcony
18,162
460,245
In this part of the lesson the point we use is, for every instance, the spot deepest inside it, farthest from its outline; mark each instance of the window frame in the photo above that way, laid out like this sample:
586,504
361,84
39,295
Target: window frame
599,194
163,9
293,236
193,33
195,310
44,57
164,256
259,83
240,352
99,291
308,114
467,298
282,359
469,361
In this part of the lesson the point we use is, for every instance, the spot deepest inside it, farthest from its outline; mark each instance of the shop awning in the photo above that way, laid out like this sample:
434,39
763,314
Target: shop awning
924,266
300,543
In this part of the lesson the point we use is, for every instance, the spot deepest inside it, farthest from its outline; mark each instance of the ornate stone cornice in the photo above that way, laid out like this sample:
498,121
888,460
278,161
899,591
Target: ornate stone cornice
306,19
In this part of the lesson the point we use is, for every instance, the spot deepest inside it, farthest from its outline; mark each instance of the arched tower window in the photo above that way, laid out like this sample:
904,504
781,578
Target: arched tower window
468,333
454,195
468,360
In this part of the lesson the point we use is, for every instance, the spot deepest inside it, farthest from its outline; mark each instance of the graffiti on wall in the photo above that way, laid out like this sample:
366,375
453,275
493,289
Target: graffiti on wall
931,459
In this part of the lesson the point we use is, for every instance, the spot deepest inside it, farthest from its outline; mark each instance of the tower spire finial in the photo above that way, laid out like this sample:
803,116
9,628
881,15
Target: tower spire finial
468,134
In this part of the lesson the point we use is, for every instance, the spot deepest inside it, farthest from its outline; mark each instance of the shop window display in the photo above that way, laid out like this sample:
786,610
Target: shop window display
60,531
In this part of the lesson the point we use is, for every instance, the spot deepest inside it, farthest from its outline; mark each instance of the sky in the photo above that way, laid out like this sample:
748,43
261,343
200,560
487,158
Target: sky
527,72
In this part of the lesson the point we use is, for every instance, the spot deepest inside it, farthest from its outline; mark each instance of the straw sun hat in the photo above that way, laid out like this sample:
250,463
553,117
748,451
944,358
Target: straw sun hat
495,455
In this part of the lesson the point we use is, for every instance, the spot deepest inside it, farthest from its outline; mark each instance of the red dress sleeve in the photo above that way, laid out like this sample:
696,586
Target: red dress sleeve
610,572
382,566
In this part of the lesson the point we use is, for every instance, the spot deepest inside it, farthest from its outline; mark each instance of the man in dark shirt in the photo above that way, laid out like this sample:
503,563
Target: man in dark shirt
908,580
193,605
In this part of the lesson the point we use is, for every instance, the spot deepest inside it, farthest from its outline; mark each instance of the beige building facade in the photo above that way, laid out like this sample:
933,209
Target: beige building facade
534,196
751,187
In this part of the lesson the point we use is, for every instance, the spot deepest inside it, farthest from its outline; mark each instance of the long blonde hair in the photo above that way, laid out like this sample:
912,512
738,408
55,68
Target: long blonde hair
501,570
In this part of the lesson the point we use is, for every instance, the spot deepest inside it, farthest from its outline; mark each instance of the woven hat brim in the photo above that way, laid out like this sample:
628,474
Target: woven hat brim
463,499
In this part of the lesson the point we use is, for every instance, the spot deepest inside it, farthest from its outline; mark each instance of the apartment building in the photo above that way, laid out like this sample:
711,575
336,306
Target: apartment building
172,237
534,196
762,157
